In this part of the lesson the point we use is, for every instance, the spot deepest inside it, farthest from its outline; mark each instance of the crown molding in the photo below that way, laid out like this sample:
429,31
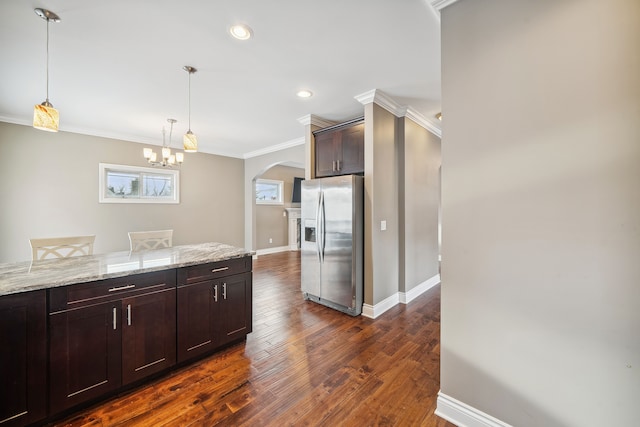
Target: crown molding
378,97
438,5
423,121
274,148
385,101
311,119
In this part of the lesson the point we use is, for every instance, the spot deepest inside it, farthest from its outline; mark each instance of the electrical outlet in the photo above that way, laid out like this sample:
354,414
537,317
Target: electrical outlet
383,225
284,213
270,240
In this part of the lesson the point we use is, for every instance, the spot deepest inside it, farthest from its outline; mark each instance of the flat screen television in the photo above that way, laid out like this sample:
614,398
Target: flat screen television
297,184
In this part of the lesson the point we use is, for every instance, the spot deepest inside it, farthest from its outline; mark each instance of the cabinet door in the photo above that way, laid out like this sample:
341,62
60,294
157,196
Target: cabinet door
148,334
196,325
235,313
23,358
84,354
326,154
352,150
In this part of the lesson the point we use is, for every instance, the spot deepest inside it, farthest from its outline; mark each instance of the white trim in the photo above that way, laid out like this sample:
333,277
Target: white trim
373,311
407,297
311,119
461,414
438,5
385,101
274,148
270,251
423,121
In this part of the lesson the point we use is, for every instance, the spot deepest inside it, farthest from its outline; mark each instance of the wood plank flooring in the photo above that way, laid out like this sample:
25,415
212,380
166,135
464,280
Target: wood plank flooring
303,365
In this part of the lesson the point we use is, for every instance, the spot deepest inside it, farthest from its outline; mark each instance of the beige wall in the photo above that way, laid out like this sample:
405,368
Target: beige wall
418,203
380,204
49,188
541,210
270,221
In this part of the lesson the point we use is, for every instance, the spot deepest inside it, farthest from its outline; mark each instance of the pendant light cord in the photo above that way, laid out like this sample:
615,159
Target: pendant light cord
47,60
189,101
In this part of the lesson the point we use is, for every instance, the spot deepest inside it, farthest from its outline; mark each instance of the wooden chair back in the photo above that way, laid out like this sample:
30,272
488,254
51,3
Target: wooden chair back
144,240
61,247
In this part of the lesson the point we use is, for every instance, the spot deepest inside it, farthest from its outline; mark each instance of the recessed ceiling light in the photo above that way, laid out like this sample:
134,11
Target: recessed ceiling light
304,93
241,31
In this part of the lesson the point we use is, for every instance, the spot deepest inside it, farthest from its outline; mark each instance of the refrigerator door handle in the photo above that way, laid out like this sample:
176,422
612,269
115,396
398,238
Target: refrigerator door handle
318,226
322,226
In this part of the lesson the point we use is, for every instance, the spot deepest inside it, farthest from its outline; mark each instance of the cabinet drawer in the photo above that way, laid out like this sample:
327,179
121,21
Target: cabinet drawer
81,295
214,270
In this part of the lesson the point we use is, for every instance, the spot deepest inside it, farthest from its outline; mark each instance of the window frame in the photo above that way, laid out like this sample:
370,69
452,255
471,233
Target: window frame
105,168
280,186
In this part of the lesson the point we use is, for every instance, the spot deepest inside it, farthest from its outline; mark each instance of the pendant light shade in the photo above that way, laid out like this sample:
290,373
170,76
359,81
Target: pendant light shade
45,117
189,140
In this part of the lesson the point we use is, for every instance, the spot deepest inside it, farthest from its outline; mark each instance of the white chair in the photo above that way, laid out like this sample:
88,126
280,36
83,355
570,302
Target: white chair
143,240
61,247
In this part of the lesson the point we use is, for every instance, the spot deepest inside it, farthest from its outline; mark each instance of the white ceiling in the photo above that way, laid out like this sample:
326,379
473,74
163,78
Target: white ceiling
116,66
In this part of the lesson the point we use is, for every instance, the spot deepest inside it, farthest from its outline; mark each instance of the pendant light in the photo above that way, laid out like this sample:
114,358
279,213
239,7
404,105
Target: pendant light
189,141
45,117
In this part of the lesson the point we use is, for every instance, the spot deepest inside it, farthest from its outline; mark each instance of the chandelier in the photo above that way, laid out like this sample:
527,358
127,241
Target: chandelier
168,159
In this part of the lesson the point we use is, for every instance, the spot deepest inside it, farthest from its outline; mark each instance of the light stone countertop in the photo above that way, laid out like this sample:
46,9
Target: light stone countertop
33,275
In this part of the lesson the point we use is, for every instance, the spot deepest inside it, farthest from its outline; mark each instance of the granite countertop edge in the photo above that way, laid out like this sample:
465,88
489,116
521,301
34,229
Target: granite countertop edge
29,276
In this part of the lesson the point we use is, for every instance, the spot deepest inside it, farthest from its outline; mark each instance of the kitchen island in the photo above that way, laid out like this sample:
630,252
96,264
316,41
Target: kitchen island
76,330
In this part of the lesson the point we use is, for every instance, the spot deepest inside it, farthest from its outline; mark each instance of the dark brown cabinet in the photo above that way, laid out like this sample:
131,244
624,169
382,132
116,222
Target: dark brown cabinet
214,306
23,358
340,149
109,333
84,354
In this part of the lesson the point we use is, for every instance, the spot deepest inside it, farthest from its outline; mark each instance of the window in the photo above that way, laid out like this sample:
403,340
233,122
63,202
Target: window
268,192
132,184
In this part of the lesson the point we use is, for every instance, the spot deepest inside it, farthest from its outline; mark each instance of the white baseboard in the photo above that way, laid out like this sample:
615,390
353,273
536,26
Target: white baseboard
373,311
407,297
464,415
271,251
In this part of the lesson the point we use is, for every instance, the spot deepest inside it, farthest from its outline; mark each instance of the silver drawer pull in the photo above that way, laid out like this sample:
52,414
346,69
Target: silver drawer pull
122,288
215,270
115,318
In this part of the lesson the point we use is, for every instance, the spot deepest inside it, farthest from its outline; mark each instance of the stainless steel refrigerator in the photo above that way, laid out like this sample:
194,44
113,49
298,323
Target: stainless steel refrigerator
332,235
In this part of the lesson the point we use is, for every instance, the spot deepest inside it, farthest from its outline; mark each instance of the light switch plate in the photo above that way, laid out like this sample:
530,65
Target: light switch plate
383,225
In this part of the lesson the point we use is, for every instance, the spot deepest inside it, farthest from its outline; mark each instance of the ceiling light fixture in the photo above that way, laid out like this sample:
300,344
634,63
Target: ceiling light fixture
439,116
304,93
168,159
45,117
241,31
189,140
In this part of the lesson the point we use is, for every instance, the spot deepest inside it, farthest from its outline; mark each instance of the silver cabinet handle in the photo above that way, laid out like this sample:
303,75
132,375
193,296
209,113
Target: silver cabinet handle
115,318
338,165
122,288
224,290
129,314
333,166
215,293
215,270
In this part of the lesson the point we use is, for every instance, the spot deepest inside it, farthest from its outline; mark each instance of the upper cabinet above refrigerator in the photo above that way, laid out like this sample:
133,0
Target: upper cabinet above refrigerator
340,149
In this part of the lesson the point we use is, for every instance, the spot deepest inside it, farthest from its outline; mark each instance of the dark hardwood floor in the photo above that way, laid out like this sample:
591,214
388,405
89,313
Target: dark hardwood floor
303,365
